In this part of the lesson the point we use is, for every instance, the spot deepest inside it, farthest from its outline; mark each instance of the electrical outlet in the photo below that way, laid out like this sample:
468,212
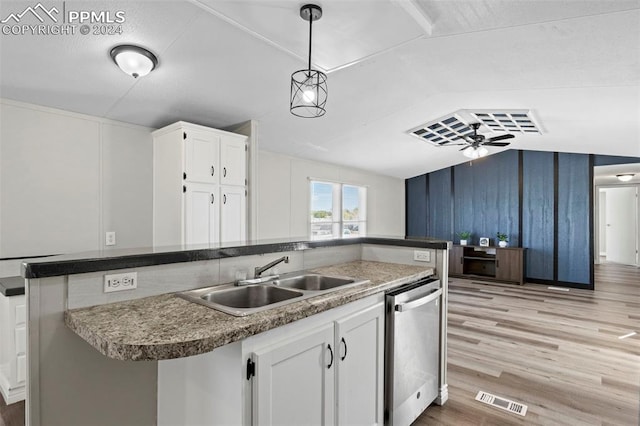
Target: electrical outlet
422,256
110,238
120,282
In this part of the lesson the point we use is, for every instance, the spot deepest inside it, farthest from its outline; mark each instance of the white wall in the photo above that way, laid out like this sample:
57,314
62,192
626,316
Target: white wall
283,196
67,178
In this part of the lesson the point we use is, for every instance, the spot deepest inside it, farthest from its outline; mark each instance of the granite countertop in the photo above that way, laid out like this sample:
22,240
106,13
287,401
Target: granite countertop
167,326
12,286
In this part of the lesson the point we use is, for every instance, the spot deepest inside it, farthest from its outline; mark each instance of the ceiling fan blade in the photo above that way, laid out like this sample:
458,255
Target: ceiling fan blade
501,137
497,143
465,148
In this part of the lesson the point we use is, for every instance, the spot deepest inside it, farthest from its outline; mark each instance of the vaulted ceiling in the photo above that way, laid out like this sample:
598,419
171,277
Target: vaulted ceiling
392,65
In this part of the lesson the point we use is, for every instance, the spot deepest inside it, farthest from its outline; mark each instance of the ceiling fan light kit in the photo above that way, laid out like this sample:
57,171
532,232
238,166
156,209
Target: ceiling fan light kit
309,87
134,60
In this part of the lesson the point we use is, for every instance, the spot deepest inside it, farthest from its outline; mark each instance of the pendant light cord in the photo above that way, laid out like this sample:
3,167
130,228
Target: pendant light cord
310,24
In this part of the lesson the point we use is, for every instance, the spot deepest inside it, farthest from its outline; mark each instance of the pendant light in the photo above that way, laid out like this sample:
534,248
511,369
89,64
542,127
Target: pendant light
309,87
134,60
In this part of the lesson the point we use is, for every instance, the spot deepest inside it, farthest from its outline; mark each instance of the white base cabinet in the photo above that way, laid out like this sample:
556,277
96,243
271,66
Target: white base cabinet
13,348
199,185
323,370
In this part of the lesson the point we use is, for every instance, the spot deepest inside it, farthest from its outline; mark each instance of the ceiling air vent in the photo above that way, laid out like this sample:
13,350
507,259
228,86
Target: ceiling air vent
517,120
448,130
445,130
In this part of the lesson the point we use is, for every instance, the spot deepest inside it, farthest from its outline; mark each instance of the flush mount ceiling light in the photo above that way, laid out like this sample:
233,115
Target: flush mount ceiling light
134,60
309,87
625,177
474,152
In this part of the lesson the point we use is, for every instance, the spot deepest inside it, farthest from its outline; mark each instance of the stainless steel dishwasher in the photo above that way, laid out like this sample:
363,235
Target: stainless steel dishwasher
412,350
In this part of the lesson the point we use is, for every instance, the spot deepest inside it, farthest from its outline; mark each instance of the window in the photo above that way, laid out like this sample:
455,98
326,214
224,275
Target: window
337,210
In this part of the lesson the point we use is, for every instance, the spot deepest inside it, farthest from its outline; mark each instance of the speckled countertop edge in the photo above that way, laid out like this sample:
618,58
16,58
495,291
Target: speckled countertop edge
167,326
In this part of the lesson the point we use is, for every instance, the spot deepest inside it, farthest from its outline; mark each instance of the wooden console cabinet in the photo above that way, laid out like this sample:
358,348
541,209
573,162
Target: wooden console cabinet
501,264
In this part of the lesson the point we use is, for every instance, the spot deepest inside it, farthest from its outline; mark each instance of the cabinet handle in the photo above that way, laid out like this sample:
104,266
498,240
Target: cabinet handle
184,175
224,198
213,198
213,170
224,172
331,352
344,342
497,263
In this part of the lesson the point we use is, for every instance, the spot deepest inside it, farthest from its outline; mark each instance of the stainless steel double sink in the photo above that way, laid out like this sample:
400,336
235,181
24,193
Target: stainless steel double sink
251,298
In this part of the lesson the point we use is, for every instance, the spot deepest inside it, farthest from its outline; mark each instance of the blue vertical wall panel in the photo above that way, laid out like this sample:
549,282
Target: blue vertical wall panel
486,197
439,205
574,234
417,206
607,160
537,213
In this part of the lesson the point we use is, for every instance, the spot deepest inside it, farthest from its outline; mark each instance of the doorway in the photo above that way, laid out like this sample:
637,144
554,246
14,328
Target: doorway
618,224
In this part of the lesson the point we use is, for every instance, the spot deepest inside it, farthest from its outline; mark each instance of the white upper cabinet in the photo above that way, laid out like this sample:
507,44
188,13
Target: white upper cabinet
201,156
233,161
190,206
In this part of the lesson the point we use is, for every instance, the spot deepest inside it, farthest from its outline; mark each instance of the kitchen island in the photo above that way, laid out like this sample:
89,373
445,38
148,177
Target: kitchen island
69,380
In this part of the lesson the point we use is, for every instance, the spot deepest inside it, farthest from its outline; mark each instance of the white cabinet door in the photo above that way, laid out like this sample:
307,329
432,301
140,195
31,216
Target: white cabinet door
360,367
294,382
233,214
233,161
201,213
201,156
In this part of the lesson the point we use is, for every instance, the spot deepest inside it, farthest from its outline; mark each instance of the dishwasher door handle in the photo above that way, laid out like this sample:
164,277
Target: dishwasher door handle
403,307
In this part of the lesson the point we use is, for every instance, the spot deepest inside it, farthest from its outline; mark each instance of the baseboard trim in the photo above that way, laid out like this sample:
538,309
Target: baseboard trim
559,283
9,395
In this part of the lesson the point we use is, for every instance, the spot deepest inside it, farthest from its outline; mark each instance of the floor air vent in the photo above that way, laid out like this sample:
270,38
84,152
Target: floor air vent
502,403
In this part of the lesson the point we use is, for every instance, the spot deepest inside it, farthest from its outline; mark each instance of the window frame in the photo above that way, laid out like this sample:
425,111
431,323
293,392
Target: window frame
337,208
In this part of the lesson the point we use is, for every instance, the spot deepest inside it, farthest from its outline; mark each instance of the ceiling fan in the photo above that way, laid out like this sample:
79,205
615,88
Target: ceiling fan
476,142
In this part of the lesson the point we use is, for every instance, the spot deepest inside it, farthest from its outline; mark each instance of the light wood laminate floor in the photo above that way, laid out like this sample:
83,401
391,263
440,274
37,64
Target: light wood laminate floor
557,352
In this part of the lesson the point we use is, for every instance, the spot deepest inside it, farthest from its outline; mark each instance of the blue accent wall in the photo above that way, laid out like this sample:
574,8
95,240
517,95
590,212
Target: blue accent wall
607,160
574,215
440,207
537,213
486,197
416,199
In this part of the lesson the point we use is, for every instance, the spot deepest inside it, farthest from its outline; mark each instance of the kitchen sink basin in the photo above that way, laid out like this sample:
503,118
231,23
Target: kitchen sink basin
311,282
267,292
254,296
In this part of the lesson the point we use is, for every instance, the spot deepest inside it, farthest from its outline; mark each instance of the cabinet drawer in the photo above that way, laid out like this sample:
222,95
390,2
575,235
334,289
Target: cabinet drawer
21,373
20,314
21,340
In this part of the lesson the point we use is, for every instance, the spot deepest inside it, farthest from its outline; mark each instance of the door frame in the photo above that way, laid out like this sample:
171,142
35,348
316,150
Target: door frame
596,213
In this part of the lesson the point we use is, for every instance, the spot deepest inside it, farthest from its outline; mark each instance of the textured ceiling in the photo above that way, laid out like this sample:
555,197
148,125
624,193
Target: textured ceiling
394,64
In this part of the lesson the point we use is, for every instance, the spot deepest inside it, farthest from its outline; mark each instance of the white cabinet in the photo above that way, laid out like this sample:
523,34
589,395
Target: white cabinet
13,344
323,376
190,163
201,156
233,163
233,213
322,370
360,368
201,210
295,381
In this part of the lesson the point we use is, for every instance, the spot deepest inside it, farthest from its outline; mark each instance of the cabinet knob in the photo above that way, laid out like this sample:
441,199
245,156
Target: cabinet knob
184,175
184,188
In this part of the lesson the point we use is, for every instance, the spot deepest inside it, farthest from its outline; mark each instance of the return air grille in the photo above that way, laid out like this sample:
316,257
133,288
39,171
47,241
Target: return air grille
448,130
445,130
514,121
502,403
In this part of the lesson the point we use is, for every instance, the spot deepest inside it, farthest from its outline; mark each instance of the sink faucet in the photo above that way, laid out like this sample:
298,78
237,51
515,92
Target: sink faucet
260,269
